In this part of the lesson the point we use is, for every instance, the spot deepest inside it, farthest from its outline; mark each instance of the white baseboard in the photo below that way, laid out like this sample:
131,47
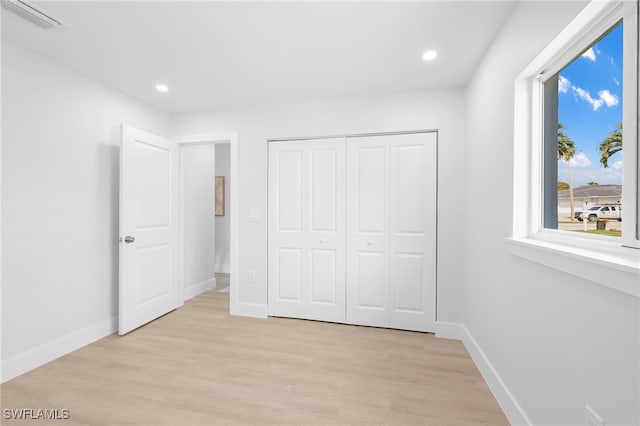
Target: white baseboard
449,330
223,269
249,310
199,288
41,355
507,402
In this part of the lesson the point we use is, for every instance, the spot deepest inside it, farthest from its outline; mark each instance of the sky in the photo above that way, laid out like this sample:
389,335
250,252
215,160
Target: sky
590,107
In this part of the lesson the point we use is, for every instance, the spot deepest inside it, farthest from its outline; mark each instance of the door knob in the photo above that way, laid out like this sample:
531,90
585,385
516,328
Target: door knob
322,240
129,239
369,243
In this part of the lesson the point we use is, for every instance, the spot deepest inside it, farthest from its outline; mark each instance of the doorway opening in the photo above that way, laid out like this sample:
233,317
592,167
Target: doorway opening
208,212
222,217
197,218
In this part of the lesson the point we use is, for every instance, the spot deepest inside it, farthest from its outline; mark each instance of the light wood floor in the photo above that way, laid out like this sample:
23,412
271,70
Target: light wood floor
223,281
200,366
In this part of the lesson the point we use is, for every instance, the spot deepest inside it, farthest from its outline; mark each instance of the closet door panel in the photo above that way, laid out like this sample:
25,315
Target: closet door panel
412,240
323,187
367,230
408,284
325,239
288,190
289,275
322,276
369,292
408,189
369,182
286,227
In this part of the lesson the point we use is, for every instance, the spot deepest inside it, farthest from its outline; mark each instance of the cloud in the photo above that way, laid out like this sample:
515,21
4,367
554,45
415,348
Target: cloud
589,54
563,84
608,98
579,160
605,97
601,175
585,171
586,96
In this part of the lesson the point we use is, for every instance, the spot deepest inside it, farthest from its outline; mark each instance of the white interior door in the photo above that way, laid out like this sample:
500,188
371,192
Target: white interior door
367,230
287,239
391,231
412,231
306,229
149,285
325,192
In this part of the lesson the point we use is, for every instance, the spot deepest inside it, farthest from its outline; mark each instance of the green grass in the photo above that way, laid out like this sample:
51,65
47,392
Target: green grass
601,232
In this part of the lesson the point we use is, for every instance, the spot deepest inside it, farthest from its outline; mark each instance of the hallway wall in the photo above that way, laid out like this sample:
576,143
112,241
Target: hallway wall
223,224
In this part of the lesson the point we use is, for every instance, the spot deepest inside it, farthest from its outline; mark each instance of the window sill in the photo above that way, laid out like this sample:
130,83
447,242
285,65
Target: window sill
618,269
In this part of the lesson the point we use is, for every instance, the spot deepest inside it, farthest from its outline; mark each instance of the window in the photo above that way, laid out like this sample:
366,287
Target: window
580,104
547,94
582,139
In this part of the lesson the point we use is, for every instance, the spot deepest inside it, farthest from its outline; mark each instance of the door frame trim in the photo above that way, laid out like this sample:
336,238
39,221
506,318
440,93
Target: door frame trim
218,138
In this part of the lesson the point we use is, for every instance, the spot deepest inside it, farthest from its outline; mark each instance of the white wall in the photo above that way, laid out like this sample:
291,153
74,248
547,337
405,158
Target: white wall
223,224
198,163
60,178
557,342
443,110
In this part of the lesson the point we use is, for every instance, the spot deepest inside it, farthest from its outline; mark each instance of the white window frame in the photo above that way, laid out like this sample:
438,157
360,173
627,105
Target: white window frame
578,254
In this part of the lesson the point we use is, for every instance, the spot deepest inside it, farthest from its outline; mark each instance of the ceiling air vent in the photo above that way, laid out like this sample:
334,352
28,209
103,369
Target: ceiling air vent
32,14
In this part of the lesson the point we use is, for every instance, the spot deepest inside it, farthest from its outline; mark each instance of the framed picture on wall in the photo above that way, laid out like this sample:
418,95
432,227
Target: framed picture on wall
219,207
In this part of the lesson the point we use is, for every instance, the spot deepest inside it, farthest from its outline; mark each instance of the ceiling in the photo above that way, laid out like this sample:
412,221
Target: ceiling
216,55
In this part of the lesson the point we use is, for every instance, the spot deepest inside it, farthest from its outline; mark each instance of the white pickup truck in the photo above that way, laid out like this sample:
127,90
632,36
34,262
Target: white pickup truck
600,212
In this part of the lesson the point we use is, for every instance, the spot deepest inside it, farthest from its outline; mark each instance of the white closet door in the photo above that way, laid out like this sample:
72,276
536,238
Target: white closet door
307,229
412,231
325,193
391,231
367,230
287,237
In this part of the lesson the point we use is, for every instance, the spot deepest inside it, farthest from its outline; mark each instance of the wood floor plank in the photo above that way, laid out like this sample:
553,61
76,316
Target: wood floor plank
200,366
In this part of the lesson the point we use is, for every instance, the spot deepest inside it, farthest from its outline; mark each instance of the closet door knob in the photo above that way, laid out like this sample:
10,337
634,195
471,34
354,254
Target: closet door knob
129,239
322,240
369,242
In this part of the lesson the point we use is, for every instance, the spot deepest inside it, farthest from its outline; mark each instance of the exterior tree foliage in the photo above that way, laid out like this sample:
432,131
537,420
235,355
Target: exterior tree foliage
566,147
562,186
566,151
610,145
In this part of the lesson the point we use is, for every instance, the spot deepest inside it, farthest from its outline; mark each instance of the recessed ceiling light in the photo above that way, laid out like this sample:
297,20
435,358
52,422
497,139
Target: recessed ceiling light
429,55
162,88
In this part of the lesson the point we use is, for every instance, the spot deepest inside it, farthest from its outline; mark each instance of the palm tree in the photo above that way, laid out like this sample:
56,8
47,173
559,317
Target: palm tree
566,151
610,145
